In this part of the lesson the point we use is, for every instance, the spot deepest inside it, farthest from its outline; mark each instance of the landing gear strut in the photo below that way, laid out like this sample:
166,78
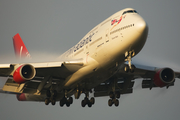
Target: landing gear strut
51,97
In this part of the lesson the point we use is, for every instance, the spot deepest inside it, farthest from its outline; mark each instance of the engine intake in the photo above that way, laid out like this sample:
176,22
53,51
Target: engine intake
23,73
164,77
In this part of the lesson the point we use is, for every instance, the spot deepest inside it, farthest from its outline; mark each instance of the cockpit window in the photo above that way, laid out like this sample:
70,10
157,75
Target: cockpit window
130,11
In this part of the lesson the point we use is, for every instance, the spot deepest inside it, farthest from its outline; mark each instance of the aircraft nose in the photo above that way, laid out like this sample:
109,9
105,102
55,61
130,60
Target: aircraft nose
141,26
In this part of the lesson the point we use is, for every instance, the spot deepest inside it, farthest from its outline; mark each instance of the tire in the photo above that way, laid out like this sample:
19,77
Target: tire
89,104
61,103
47,101
67,104
111,95
110,102
117,94
53,102
70,100
92,100
83,103
116,102
86,100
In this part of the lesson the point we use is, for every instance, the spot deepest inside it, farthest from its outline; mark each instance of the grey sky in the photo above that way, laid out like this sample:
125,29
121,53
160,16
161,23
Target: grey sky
52,27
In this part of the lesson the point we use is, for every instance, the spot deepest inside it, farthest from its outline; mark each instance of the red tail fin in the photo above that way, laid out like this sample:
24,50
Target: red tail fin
19,47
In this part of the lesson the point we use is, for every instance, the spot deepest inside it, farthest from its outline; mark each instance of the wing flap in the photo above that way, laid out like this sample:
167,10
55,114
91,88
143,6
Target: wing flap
11,86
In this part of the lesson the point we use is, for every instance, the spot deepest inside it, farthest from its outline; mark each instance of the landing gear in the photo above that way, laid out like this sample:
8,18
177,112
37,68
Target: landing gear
53,101
87,101
47,101
66,101
114,98
129,67
51,97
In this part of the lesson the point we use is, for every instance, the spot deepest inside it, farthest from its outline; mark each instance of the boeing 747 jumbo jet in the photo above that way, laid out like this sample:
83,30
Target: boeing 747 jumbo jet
99,64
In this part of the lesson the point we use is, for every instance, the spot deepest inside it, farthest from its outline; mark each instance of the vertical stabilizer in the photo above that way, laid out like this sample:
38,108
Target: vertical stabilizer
19,47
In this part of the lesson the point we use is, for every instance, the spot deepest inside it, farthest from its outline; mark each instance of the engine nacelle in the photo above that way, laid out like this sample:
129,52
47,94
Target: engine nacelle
164,77
23,73
30,97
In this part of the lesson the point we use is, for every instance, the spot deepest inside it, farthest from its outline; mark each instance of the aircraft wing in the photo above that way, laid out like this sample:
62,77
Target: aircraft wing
36,75
32,77
152,77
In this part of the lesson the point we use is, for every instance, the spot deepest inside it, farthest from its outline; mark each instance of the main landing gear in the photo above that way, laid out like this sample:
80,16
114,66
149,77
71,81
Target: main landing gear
114,96
51,97
129,67
66,101
87,101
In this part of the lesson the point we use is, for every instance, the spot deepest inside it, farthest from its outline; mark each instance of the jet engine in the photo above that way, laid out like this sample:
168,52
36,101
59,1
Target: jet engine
164,77
23,73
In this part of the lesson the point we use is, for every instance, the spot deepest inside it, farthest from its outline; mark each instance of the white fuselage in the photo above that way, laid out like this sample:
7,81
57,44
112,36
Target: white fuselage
103,48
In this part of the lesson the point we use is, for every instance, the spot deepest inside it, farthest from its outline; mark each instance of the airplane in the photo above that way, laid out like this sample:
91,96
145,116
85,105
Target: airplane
99,64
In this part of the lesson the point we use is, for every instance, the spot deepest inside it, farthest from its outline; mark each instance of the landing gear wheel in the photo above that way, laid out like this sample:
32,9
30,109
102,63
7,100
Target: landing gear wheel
111,95
89,104
86,100
92,100
110,102
67,104
70,100
83,104
117,94
116,102
53,101
47,101
61,103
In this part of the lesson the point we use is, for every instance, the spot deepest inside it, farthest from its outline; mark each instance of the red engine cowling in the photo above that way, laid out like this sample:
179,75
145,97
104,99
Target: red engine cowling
23,73
21,97
164,77
30,97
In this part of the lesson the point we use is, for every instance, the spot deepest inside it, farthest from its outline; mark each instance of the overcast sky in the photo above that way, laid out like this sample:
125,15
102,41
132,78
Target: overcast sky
49,28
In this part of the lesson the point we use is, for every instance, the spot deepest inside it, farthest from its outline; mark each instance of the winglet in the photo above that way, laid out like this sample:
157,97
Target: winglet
19,47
